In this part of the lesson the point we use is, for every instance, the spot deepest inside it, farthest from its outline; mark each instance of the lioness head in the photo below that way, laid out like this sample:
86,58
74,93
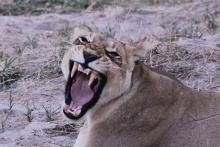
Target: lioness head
97,70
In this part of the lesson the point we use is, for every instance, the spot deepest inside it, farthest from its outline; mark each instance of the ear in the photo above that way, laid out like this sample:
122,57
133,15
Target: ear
137,50
79,31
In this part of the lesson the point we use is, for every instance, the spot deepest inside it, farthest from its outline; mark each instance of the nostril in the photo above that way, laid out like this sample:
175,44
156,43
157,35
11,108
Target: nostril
89,57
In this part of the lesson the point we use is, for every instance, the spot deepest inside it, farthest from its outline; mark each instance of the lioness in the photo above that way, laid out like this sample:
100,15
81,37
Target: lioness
128,104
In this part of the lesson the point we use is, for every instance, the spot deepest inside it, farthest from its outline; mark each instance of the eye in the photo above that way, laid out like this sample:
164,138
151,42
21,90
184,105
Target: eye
83,39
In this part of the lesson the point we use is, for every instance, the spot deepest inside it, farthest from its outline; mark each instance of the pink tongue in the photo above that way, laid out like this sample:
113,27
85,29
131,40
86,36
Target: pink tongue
81,93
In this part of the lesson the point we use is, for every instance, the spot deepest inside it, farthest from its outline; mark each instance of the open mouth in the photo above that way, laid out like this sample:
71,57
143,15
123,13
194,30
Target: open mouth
83,89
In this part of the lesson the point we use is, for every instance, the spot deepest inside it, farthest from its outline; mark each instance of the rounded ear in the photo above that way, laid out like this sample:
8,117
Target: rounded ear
79,31
137,50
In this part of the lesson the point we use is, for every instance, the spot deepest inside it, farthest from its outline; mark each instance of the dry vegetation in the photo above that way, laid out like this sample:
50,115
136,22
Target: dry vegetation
36,7
184,40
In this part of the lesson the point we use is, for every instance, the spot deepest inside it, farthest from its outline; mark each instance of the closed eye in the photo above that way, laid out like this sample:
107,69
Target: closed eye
113,55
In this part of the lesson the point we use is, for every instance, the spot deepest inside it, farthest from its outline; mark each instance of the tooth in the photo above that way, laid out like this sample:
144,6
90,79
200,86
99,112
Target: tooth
93,76
74,69
80,68
66,107
76,112
87,71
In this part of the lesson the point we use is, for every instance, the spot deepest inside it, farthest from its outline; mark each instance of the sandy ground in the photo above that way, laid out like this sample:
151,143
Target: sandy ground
183,40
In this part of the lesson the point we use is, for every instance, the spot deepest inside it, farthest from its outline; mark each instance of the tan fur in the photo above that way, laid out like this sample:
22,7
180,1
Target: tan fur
143,108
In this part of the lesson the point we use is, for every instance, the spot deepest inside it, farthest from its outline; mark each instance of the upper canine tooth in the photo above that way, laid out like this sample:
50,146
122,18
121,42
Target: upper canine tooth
80,68
75,66
93,76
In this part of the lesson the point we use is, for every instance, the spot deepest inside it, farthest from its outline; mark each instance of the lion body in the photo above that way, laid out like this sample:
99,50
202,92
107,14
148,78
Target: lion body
139,107
157,111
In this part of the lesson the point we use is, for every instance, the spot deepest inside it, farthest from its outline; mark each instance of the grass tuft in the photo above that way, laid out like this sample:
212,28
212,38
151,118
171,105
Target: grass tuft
32,42
29,110
51,112
7,113
9,73
11,102
19,49
211,22
110,32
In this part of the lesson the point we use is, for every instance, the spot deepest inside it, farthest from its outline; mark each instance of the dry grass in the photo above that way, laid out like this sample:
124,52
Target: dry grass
65,40
174,33
68,129
184,63
50,70
169,58
36,7
157,2
211,23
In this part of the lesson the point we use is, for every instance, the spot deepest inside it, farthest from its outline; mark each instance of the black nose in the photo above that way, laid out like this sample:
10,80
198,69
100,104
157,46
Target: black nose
89,57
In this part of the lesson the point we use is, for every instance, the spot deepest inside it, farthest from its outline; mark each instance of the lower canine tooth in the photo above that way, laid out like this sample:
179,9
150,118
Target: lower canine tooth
76,112
75,66
93,76
66,107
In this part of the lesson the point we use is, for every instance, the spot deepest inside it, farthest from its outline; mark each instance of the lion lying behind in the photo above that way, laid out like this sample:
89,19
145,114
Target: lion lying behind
127,104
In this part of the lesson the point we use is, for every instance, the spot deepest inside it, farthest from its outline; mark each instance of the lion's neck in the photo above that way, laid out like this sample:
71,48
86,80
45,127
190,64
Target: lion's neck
150,102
